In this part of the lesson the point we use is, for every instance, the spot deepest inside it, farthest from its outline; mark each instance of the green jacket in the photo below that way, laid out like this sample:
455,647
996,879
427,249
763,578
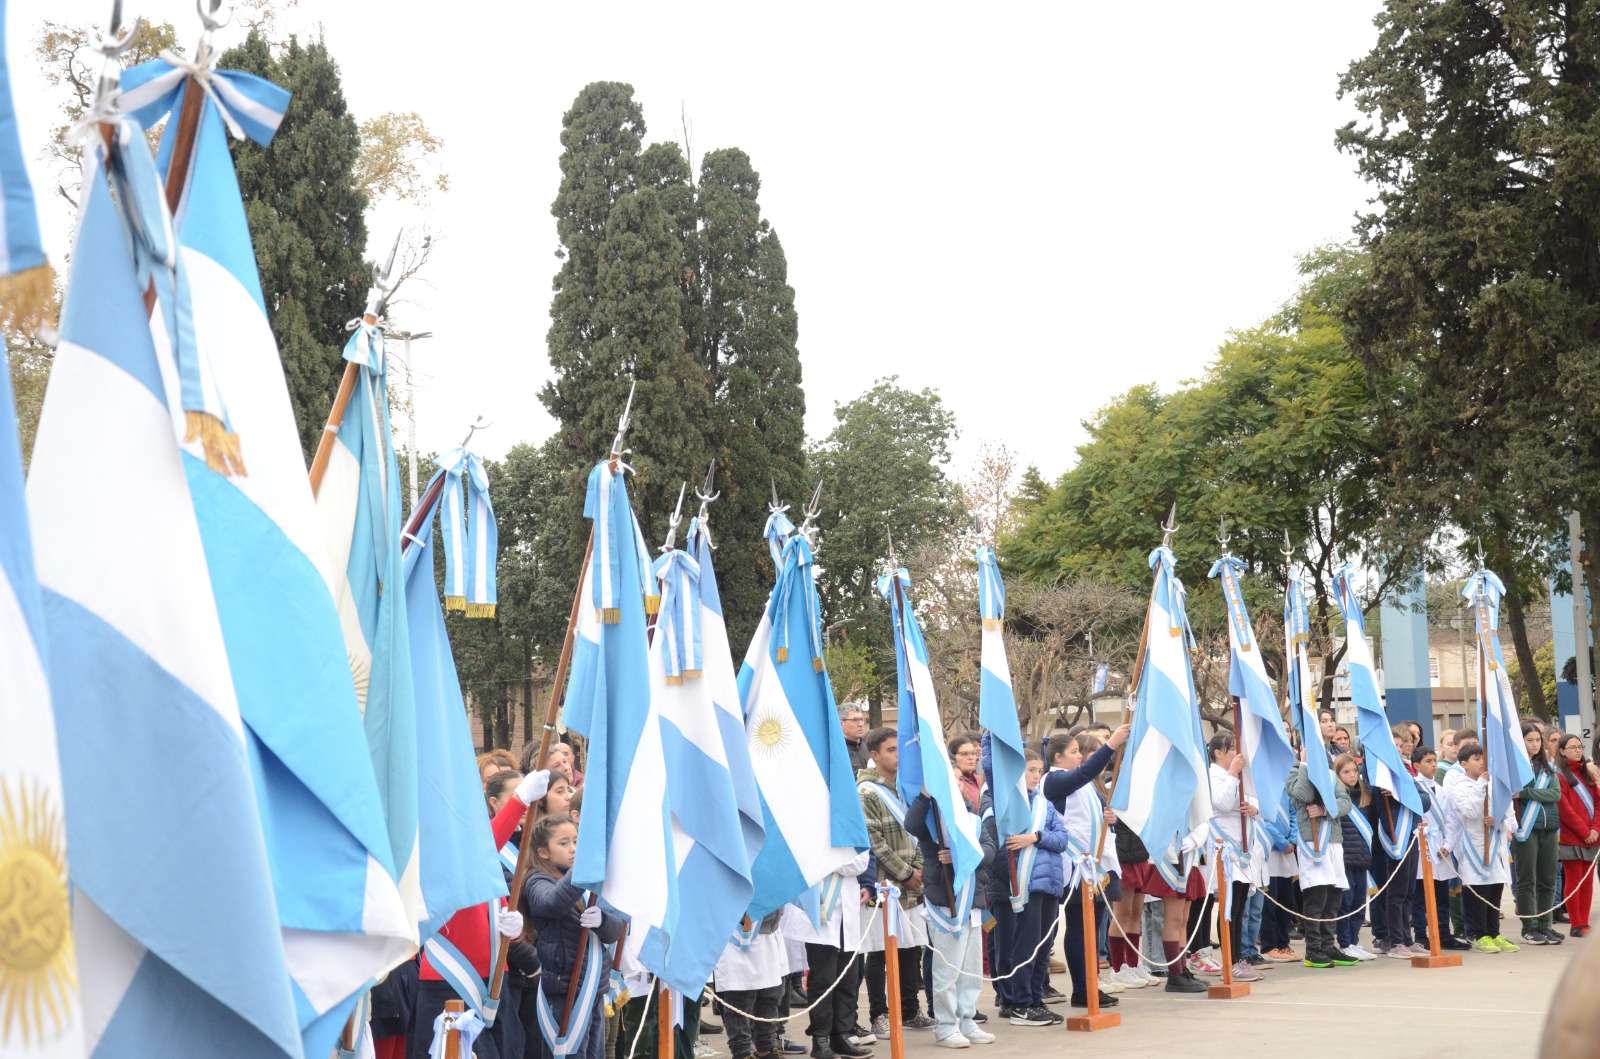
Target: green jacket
1304,795
897,853
1549,818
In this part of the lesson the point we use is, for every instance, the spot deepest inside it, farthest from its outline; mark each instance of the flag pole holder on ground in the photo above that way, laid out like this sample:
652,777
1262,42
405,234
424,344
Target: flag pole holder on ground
1227,989
1434,958
891,970
1094,1018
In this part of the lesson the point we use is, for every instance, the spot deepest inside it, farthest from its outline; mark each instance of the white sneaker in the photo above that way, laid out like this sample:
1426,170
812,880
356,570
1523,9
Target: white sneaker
1142,972
1124,977
977,1036
702,1050
955,1040
1111,985
1364,953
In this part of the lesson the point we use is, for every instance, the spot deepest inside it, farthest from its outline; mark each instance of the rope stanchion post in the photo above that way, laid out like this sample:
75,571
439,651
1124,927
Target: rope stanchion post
1094,1018
1435,958
452,1036
891,968
664,1047
1227,989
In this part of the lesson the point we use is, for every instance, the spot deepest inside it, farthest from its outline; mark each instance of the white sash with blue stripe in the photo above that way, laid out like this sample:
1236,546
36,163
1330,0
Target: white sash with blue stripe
1397,841
1025,859
508,856
1530,812
1363,825
457,970
1586,798
596,974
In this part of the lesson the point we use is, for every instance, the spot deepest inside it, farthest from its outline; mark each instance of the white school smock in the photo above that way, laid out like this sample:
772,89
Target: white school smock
1326,869
1085,819
1226,818
1444,867
1467,799
843,925
761,966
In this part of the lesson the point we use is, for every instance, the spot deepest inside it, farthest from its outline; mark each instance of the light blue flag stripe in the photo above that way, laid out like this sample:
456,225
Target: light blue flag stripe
1268,755
1499,726
1302,699
1381,760
997,704
20,246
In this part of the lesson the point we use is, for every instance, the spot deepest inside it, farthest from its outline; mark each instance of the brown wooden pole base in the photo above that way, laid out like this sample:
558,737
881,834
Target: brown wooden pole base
1448,959
1102,1020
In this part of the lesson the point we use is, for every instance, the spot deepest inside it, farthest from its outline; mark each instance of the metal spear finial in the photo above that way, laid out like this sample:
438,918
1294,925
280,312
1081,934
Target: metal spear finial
776,505
1169,527
212,18
622,424
677,517
477,424
809,525
1222,536
1287,551
894,561
705,494
116,40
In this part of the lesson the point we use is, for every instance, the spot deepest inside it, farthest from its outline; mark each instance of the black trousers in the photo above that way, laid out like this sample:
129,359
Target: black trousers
910,983
1321,902
1200,916
746,1036
503,1040
1397,898
1481,906
836,1015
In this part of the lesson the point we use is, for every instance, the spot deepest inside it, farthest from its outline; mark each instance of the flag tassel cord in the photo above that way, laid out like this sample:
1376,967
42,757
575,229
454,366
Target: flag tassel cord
525,847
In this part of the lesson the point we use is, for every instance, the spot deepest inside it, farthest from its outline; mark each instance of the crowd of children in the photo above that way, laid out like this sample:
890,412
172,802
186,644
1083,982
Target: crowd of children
1298,868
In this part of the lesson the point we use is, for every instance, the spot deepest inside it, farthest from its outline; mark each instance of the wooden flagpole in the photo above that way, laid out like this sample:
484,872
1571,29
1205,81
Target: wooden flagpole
1094,1018
452,1036
1227,989
664,1045
1434,958
891,968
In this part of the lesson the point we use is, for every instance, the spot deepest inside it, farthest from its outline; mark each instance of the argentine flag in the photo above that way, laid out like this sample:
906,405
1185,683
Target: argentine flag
459,866
1162,791
608,695
809,804
997,705
1380,758
1262,738
1301,693
1505,754
344,921
176,923
690,816
924,760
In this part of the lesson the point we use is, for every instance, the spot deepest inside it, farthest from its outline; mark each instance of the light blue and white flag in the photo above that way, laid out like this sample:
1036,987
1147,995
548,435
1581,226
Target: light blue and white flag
690,817
1301,693
811,811
997,705
924,760
609,694
1102,672
20,246
1380,759
1505,754
470,548
337,888
41,1015
1162,792
457,864
1262,738
176,924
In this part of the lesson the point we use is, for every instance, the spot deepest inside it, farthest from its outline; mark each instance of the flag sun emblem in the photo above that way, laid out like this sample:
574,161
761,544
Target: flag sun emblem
770,735
37,969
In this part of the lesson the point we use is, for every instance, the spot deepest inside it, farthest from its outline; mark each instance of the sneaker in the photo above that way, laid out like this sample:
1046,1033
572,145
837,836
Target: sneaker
920,1022
980,1018
1451,943
1258,961
1149,976
702,1050
1105,1001
1381,946
1578,932
955,1040
1317,959
1243,972
880,1027
1399,952
1534,936
1006,1011
1055,1020
1123,979
1554,936
862,1035
979,1037
709,1029
1200,963
1364,954
1485,945
1341,958
1502,944
1184,983
1057,966
844,1048
1053,996
1032,1017
1111,987
1282,955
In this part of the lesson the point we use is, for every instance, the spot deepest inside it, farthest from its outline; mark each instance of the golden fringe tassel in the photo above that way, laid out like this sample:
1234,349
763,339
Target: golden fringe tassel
783,654
609,615
455,603
693,674
480,610
816,665
27,299
673,682
652,604
223,453
993,624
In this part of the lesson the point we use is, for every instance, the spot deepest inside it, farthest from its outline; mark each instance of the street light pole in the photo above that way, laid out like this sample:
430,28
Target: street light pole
1580,623
406,337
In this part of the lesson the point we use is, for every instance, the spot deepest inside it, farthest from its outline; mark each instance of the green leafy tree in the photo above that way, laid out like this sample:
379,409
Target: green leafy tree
1481,138
306,218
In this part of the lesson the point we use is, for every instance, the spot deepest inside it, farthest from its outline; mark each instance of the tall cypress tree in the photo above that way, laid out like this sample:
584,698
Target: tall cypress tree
306,218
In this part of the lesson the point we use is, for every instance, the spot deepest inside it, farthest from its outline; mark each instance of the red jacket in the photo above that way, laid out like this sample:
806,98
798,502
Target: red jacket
468,929
1576,820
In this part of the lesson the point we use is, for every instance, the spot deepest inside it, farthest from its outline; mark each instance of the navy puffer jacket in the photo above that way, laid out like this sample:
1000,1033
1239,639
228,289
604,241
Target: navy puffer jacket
552,906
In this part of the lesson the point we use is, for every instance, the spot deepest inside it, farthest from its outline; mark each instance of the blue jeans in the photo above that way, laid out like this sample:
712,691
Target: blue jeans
955,995
1249,943
1349,931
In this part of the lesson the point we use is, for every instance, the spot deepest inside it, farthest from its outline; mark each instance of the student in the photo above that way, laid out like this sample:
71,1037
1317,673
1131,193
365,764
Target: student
1580,832
1231,814
899,860
559,916
1444,869
1044,878
1322,875
1389,817
1283,866
1447,752
1330,727
749,977
1129,913
1069,786
469,942
1485,869
1537,838
953,935
1355,839
830,953
518,999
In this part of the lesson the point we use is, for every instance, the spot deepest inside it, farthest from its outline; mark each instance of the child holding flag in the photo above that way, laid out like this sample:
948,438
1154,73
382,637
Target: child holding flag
1322,875
1485,868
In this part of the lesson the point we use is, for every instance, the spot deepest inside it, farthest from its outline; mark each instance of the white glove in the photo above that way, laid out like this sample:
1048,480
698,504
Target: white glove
533,786
508,923
589,917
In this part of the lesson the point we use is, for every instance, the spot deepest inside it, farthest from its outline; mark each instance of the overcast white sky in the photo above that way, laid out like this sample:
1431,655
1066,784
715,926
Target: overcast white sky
1028,207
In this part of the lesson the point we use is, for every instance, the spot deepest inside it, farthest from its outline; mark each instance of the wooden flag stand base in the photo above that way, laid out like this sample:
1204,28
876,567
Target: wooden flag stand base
1435,958
1094,1018
1227,989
